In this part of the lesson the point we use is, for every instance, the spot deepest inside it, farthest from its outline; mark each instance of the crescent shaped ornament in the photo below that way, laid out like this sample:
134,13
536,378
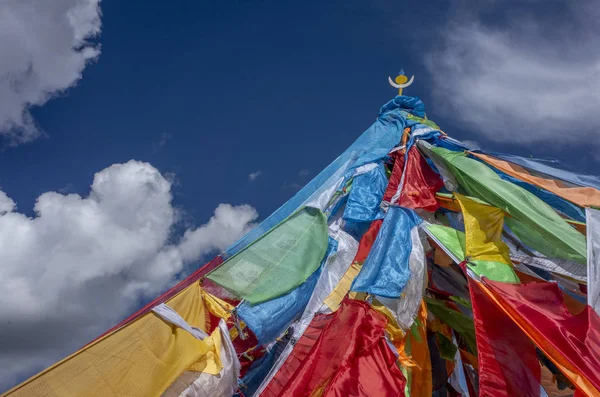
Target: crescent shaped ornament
400,86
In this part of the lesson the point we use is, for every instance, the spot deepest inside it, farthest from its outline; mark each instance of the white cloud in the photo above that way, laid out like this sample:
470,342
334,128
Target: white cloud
253,175
532,79
6,203
44,47
303,172
83,263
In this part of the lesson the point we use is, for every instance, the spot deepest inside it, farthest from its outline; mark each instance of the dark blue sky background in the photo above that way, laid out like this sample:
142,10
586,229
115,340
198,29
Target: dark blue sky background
230,88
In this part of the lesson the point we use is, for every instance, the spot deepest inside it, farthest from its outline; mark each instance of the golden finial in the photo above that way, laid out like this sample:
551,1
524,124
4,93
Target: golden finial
401,81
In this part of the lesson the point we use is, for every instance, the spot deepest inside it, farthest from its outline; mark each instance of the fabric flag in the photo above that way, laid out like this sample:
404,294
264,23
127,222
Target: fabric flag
406,307
420,375
269,319
332,276
337,265
571,341
341,289
349,356
386,271
483,231
260,369
296,357
482,182
458,379
545,167
593,265
563,207
453,243
395,177
279,261
201,384
455,319
153,353
583,196
365,197
450,182
419,183
508,364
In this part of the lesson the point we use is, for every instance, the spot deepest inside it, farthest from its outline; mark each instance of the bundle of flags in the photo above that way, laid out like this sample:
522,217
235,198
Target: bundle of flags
411,265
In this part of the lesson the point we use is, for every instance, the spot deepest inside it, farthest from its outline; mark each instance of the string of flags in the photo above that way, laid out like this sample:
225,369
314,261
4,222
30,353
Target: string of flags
413,265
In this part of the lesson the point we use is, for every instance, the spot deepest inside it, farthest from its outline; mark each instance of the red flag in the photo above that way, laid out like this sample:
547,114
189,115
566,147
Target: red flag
421,183
367,240
571,341
301,350
508,364
350,357
396,176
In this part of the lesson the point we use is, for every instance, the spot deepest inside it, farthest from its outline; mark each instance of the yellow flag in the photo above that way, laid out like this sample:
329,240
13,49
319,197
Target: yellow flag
140,359
334,300
483,231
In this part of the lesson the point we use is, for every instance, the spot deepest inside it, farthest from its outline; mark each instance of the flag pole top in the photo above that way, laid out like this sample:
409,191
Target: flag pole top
401,81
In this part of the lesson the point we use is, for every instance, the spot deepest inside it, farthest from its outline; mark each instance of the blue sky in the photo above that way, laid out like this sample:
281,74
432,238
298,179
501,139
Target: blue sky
230,88
208,93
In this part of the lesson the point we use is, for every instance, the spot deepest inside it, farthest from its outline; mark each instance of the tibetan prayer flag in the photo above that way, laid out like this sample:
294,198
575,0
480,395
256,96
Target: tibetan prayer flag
279,261
571,341
348,357
508,364
364,200
583,196
386,271
483,231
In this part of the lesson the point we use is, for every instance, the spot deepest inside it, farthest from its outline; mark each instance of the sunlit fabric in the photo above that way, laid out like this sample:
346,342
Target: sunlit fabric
298,354
386,271
508,364
335,270
152,352
593,265
583,196
337,295
571,341
453,243
482,182
269,319
419,184
562,206
404,309
483,231
279,261
571,269
342,366
548,168
202,384
365,197
450,182
395,335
